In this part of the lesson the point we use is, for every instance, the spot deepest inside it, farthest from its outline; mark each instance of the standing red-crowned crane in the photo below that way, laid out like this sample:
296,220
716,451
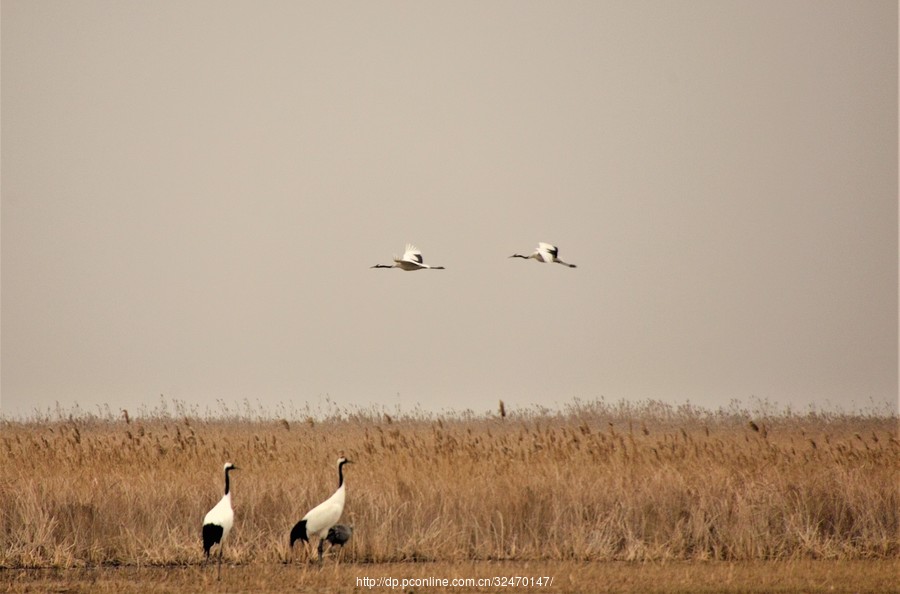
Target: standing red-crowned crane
218,521
321,518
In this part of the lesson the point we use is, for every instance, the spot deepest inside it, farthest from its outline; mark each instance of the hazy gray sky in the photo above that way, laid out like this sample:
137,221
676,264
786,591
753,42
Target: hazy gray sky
193,194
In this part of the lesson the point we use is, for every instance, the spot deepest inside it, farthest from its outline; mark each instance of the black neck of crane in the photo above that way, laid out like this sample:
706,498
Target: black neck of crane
341,473
227,470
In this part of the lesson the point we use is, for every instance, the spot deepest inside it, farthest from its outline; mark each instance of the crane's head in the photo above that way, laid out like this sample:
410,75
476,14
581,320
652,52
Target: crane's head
230,466
341,461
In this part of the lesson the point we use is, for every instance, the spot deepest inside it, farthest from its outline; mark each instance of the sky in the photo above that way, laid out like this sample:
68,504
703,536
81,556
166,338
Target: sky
193,194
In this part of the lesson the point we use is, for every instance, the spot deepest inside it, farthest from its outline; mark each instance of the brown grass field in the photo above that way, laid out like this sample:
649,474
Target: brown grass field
602,498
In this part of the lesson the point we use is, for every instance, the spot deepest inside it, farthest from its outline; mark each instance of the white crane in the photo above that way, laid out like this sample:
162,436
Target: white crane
545,252
411,260
218,521
321,518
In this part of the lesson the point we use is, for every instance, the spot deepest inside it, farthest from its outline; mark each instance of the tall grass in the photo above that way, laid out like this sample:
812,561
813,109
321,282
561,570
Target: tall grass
594,481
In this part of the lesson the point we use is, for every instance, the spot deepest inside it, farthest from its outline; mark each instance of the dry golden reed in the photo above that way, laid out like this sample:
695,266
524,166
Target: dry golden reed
595,482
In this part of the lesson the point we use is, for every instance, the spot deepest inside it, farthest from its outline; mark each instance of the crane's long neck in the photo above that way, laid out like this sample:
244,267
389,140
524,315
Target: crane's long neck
227,481
341,474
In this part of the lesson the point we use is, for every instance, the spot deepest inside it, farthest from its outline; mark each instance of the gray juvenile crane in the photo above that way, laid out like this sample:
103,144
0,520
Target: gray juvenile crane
338,535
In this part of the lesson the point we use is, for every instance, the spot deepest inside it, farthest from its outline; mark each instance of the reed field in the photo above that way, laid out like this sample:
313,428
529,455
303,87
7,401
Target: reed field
594,485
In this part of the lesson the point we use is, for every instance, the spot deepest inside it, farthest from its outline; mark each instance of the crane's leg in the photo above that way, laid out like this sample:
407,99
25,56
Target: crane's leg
321,548
219,566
